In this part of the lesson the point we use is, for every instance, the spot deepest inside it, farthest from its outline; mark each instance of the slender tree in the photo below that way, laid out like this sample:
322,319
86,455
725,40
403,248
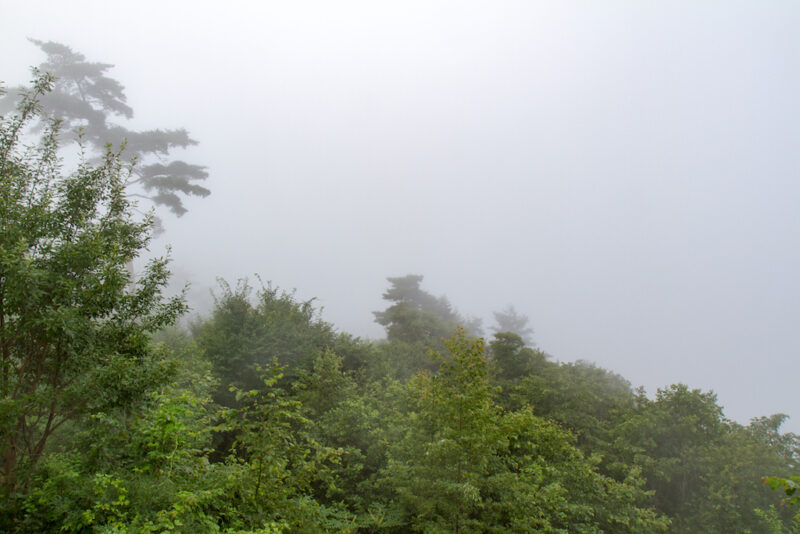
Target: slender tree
73,331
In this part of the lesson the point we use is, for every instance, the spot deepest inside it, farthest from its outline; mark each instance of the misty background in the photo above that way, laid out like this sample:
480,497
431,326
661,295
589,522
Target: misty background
624,173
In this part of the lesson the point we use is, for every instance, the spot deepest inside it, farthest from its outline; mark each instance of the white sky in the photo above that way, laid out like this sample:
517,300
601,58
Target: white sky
625,173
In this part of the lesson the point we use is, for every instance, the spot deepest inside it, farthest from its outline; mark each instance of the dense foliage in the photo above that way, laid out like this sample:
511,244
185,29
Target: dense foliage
72,324
262,418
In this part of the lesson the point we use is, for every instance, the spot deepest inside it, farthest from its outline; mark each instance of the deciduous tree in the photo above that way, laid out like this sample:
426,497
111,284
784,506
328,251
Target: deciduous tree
462,465
74,331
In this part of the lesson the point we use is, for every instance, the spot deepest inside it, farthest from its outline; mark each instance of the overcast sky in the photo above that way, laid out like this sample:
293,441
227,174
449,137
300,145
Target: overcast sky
627,174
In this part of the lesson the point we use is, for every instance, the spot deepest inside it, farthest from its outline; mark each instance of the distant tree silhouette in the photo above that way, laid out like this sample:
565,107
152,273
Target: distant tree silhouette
509,320
87,100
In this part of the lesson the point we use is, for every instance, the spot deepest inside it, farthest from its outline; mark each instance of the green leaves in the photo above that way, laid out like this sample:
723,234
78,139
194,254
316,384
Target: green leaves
789,486
282,460
461,464
245,332
74,329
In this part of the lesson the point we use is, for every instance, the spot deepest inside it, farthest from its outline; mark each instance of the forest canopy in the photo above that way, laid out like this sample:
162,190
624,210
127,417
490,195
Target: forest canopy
262,418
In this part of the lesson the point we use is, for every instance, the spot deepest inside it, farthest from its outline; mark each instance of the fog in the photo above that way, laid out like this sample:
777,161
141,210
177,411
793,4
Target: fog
627,174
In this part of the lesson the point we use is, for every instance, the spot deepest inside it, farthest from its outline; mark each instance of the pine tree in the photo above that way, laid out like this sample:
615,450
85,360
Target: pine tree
87,101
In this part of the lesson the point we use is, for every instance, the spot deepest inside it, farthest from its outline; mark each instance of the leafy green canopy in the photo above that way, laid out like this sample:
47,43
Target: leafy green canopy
74,328
704,469
462,465
244,334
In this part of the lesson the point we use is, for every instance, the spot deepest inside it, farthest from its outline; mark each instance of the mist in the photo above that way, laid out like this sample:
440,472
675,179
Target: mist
624,174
